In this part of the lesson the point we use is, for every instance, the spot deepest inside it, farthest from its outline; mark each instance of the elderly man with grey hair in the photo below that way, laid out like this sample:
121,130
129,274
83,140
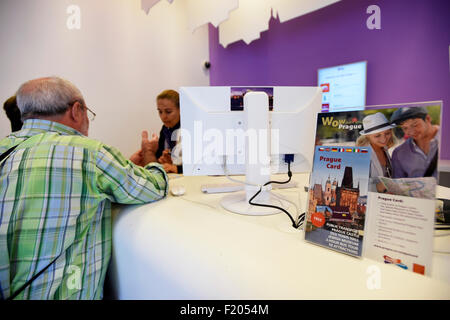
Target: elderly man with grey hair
56,189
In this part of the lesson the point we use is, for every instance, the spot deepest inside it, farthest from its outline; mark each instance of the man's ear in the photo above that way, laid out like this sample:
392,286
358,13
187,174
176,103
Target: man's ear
76,112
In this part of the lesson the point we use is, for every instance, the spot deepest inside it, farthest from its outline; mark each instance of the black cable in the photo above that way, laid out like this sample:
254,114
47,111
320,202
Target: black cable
441,228
294,224
282,182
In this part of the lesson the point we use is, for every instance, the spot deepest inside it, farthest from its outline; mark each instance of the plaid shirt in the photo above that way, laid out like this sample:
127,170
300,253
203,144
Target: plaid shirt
56,190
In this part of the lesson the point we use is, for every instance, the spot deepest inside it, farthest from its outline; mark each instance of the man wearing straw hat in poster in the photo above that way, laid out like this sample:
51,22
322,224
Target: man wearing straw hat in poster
418,155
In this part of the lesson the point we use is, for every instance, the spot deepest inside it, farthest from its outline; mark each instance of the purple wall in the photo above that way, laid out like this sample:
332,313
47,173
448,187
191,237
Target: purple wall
407,60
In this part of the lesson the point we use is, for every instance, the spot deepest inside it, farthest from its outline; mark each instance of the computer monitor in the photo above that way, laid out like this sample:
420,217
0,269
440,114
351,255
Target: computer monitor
344,87
219,138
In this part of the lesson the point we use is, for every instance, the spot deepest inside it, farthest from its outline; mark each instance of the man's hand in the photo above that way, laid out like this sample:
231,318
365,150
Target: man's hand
148,148
149,145
137,158
165,157
170,168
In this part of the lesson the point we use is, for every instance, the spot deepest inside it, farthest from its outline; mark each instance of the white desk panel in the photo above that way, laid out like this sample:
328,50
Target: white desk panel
189,247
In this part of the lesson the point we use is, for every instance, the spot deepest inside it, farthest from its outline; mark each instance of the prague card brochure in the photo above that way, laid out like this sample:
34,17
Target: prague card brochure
337,198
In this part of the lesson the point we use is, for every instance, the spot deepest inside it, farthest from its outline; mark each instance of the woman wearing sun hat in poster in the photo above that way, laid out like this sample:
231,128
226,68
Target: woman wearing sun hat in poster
378,134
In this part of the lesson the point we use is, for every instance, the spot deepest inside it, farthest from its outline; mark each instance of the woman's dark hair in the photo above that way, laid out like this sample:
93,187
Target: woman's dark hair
13,113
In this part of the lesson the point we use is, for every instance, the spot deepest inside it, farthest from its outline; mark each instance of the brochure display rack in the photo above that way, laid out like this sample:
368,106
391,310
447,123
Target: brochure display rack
401,170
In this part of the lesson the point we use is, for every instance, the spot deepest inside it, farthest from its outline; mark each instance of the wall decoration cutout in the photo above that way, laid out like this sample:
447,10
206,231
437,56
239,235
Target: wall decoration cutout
146,5
200,12
246,23
290,9
242,19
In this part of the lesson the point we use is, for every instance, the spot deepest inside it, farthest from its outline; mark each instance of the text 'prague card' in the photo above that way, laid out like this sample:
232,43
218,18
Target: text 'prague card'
337,198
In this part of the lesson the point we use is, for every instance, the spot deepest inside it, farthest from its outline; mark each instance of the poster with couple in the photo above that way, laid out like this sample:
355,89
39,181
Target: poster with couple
404,140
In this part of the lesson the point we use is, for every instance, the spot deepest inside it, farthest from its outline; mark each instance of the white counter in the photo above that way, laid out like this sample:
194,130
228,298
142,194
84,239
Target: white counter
188,247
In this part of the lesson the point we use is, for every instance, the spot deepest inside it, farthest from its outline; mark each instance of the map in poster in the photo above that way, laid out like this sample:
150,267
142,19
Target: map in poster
422,187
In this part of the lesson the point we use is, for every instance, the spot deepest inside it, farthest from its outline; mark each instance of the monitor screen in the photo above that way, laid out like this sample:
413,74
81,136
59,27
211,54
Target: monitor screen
343,87
214,128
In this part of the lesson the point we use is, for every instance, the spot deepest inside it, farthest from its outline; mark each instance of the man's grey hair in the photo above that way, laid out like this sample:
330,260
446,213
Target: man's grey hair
46,97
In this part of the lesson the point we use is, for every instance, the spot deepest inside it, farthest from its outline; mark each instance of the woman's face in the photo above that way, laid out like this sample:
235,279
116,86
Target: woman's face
168,112
380,139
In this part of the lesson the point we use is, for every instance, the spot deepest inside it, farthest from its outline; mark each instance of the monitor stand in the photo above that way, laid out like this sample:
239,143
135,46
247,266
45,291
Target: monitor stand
257,162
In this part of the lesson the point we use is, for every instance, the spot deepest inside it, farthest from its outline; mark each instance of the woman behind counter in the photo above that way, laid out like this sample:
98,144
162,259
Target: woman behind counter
169,145
378,134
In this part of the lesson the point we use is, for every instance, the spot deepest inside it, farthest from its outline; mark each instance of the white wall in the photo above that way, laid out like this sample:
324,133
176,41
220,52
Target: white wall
120,59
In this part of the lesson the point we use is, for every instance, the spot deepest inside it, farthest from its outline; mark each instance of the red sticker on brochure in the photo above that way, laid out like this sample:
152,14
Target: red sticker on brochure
418,268
318,219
